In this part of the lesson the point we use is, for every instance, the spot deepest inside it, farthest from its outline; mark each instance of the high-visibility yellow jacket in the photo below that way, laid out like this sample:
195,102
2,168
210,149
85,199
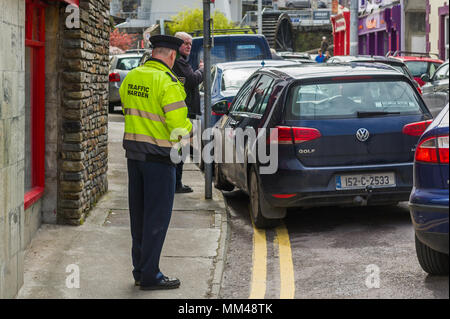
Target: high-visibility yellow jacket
155,111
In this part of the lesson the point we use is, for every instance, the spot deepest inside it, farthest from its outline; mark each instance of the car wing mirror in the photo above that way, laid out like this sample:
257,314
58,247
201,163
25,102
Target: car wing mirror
220,107
425,77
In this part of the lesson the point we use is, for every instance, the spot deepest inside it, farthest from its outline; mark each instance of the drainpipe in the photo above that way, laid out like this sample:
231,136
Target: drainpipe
260,17
354,27
403,26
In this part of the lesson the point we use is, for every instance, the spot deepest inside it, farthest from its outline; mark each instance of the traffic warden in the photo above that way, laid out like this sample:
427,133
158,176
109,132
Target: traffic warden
155,120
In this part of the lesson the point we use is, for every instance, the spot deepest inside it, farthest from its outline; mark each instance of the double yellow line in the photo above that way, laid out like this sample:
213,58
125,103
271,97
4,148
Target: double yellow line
259,274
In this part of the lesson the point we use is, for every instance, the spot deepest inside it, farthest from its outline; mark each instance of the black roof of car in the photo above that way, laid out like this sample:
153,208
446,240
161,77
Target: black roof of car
254,64
324,70
233,36
368,58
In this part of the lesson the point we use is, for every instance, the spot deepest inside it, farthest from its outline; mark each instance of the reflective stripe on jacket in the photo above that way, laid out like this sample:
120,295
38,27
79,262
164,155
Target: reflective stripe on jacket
154,108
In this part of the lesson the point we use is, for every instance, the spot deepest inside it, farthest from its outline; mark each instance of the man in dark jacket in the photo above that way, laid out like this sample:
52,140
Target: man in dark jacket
191,80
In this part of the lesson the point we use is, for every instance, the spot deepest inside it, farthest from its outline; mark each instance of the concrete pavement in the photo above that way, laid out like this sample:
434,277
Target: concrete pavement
100,250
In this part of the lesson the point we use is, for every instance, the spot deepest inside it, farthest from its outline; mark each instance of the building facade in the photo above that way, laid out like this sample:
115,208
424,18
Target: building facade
379,27
53,120
437,28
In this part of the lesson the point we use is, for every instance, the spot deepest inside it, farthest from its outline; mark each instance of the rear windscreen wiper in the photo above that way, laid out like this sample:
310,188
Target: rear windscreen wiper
369,114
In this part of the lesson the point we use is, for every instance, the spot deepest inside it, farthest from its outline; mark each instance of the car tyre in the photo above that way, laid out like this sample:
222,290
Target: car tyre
259,205
219,181
431,261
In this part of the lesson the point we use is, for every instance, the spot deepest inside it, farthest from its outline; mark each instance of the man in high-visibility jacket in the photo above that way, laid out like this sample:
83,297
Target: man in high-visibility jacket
155,118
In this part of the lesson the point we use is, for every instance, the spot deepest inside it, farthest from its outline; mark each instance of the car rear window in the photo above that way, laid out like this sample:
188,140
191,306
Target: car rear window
350,99
128,64
248,51
218,54
417,68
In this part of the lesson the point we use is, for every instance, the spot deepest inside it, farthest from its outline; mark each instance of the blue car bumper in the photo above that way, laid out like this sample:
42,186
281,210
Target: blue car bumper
314,187
429,213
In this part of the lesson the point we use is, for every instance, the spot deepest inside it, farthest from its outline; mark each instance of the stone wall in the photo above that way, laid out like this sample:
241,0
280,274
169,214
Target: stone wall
84,123
12,141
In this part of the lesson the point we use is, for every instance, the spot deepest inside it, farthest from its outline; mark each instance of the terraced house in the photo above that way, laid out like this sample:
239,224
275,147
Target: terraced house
53,120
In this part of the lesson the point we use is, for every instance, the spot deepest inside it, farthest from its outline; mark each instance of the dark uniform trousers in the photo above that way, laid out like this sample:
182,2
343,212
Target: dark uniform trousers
151,187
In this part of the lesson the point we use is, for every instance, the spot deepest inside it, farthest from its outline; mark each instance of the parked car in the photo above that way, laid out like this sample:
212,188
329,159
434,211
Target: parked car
227,79
264,2
429,197
435,91
346,135
419,64
296,56
229,48
397,64
119,67
303,4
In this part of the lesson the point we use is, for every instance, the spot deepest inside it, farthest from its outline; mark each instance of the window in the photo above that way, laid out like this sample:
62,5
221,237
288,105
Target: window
34,101
128,64
345,100
417,68
258,94
218,54
441,73
248,51
234,79
240,103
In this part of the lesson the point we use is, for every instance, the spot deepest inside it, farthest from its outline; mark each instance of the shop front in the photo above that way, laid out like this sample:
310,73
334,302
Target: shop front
380,32
341,33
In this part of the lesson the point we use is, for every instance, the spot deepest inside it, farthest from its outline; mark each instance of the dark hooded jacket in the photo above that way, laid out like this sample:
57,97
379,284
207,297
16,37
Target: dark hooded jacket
191,80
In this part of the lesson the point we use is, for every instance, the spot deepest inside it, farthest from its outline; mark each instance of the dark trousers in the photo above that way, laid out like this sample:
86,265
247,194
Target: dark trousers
151,191
179,174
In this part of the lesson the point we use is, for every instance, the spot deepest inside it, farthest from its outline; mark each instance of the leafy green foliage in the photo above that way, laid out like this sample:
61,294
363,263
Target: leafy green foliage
191,20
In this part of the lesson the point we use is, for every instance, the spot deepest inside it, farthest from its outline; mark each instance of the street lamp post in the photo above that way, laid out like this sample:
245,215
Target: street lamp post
354,27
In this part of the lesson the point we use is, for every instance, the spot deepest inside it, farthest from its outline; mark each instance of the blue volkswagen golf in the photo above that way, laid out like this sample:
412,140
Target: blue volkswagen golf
429,197
346,135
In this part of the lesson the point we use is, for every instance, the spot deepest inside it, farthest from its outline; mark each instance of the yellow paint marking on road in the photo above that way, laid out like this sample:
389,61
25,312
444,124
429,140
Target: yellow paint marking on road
259,273
287,289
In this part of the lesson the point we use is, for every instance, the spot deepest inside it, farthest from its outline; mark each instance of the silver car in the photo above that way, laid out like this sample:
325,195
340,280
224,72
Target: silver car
298,4
435,91
119,67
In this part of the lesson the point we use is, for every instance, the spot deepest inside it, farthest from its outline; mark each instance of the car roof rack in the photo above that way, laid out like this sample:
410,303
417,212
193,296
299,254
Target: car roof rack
252,30
411,53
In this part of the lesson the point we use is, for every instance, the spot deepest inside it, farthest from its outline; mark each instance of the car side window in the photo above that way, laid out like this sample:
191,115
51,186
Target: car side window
267,99
259,93
441,73
240,103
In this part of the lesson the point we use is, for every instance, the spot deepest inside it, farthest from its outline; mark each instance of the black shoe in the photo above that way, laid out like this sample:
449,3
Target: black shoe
183,189
137,283
165,283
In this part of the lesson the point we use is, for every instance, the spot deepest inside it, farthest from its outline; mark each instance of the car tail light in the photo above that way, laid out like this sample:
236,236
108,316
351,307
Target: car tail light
433,150
416,129
294,135
114,77
283,196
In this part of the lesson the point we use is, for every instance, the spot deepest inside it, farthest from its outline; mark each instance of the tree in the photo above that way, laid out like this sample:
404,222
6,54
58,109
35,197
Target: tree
121,40
190,20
